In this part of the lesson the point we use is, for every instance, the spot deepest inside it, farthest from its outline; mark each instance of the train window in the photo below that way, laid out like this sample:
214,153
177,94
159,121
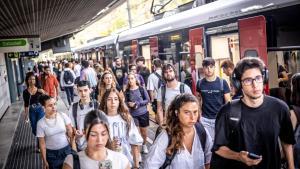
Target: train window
223,47
281,69
251,53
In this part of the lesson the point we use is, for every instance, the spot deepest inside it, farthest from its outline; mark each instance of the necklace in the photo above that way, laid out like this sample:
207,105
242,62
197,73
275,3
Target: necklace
51,125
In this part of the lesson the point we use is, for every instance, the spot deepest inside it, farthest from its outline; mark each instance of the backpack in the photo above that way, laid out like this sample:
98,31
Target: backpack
141,89
200,130
163,93
93,103
68,77
221,85
161,81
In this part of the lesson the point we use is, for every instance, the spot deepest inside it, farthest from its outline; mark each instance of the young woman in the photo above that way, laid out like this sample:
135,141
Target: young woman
137,99
97,154
181,138
295,116
54,131
31,101
124,133
106,82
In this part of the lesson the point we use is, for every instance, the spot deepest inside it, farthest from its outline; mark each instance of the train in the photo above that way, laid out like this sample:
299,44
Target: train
223,29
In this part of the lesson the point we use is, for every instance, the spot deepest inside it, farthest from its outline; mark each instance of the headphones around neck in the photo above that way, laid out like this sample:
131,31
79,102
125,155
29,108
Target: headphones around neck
237,83
91,104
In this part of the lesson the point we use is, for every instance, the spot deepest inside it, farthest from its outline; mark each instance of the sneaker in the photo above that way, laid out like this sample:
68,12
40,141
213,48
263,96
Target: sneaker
145,149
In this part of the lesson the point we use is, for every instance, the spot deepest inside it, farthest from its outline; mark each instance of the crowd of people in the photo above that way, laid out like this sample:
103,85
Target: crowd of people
219,124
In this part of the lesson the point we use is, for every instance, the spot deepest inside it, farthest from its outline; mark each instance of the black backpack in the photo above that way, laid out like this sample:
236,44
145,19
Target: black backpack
76,162
200,130
93,103
68,77
163,94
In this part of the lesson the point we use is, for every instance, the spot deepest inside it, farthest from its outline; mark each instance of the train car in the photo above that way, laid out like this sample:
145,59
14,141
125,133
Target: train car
222,30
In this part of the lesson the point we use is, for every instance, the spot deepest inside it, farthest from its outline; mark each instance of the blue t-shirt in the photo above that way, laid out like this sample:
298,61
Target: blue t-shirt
212,96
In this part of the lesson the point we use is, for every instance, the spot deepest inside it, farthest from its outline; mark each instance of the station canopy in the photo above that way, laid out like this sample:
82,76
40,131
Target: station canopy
47,18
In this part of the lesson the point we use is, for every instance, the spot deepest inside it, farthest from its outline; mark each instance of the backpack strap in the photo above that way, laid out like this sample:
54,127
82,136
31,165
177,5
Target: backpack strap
142,92
95,104
235,114
181,88
163,96
222,86
201,134
159,77
74,113
76,162
198,86
169,158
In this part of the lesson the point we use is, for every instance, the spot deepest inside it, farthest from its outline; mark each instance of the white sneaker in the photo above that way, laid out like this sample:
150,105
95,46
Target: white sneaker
145,149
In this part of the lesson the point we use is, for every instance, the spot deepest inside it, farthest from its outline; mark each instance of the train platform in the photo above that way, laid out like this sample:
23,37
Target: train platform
18,146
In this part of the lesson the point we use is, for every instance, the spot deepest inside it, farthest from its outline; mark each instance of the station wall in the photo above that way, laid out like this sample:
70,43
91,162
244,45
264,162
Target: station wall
4,89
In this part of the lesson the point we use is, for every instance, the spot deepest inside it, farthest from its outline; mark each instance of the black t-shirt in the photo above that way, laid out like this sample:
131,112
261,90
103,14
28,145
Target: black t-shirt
257,133
212,96
120,74
34,99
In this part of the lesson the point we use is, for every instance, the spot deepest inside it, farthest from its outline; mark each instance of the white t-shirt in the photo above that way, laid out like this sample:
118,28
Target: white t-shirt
184,159
118,128
118,160
171,94
81,143
77,69
152,83
54,131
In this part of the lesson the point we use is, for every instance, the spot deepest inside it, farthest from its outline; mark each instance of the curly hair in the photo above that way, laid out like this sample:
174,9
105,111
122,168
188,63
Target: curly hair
122,109
102,86
173,127
296,89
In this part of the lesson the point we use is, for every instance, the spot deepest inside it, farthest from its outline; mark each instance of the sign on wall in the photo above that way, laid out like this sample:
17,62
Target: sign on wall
20,45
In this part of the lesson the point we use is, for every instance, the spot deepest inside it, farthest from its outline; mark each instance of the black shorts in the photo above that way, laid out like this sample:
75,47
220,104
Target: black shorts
142,120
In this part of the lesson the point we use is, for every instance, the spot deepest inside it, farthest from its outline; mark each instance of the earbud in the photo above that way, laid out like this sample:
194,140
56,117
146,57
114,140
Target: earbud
176,113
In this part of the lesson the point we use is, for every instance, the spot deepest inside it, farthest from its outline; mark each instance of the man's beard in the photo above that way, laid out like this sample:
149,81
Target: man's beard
170,80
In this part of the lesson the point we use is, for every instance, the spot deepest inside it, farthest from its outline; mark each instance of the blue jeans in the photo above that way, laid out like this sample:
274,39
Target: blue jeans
70,94
56,158
36,112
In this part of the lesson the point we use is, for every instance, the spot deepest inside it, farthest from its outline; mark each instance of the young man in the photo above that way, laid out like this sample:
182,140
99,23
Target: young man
67,79
155,81
78,112
213,92
119,71
89,74
247,130
228,67
49,82
142,69
168,92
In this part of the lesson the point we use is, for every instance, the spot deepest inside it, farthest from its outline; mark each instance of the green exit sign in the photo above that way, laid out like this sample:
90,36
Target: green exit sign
12,42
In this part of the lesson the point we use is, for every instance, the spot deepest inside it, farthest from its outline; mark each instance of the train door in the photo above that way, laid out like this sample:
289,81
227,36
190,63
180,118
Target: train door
223,44
196,55
253,39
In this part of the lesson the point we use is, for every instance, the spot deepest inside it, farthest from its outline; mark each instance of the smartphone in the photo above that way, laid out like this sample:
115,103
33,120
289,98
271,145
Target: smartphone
254,156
